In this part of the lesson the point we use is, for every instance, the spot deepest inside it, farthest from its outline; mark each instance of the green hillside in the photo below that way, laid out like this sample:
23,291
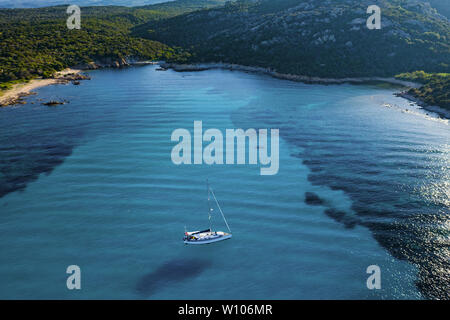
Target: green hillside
435,89
321,38
37,42
316,37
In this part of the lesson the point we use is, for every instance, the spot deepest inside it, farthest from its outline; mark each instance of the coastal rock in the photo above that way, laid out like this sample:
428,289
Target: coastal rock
408,94
16,99
112,62
73,77
90,66
52,103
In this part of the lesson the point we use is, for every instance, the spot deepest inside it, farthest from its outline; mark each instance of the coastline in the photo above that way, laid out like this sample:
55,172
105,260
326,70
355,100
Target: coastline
299,78
14,95
284,76
436,109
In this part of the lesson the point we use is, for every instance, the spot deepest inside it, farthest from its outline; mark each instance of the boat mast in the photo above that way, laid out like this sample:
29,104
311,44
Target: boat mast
218,206
209,205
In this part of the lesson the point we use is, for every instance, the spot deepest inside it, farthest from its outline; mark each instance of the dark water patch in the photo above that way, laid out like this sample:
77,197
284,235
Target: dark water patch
389,208
342,217
402,221
38,140
17,171
313,199
405,240
395,185
173,271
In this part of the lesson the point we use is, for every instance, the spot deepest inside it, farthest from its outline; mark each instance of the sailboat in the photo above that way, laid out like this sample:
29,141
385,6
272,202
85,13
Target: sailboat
208,235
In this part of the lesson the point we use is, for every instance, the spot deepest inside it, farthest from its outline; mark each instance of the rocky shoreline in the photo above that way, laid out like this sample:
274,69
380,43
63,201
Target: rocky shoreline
18,92
15,95
306,79
284,76
443,113
113,63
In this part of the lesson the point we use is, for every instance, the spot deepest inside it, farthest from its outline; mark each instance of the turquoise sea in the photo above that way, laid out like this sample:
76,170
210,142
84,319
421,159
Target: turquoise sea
91,183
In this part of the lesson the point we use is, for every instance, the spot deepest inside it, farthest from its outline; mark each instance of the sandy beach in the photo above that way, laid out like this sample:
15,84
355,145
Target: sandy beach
14,95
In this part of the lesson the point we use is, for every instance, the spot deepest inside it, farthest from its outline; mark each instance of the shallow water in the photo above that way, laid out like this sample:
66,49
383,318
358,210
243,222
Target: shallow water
92,183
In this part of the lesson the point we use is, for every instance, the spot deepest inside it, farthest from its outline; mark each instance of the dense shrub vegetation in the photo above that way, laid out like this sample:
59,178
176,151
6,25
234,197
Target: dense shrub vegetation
317,37
435,89
37,42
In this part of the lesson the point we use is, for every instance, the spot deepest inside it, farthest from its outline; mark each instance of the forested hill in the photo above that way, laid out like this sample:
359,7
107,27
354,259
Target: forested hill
326,38
84,3
37,42
443,6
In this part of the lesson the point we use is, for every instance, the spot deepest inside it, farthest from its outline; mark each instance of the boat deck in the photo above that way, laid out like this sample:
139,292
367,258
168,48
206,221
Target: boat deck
203,237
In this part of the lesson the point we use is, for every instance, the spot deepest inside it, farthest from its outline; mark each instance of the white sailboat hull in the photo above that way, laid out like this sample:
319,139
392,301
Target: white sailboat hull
206,237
